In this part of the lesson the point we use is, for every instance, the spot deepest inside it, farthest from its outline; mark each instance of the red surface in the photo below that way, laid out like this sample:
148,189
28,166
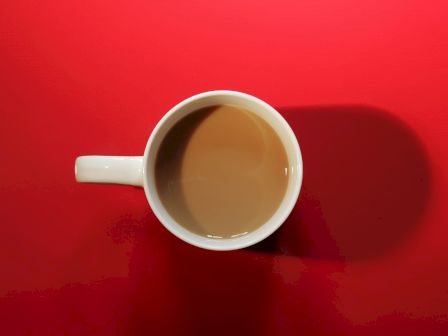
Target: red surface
363,84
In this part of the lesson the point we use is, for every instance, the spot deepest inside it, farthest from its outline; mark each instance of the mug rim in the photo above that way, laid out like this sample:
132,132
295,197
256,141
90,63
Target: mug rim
224,243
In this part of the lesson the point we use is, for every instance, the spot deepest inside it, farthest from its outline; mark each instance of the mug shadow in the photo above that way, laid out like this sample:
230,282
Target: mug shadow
366,184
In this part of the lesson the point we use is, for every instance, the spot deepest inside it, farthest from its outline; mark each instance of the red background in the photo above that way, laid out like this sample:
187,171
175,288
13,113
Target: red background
362,83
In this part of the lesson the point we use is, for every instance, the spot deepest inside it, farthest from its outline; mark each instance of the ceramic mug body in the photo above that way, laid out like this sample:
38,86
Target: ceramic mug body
139,170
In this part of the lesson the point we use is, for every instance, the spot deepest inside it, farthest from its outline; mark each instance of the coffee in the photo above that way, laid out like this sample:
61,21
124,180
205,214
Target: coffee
221,171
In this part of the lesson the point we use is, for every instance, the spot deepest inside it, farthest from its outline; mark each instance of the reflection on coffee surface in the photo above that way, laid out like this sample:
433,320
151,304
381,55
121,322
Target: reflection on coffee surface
221,171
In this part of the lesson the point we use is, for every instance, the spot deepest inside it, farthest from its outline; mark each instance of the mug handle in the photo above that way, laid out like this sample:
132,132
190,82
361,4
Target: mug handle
110,169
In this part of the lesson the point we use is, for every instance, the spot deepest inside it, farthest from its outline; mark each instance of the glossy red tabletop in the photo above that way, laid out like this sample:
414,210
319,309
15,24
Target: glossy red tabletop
364,85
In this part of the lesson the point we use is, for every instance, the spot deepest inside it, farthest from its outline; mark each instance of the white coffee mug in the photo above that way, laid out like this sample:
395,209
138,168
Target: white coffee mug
139,170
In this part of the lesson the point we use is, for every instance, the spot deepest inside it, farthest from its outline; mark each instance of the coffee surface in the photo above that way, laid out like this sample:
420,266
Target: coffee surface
221,171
